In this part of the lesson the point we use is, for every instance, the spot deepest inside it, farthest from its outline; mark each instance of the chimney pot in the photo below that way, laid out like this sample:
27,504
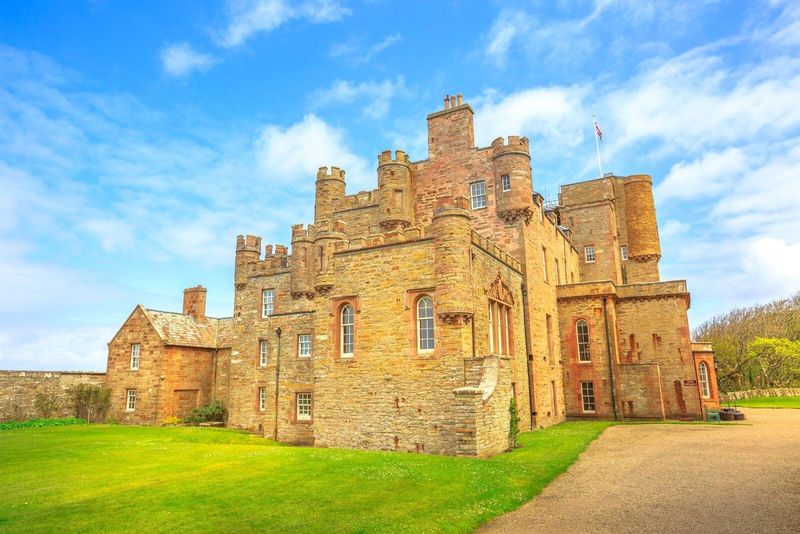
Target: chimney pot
459,98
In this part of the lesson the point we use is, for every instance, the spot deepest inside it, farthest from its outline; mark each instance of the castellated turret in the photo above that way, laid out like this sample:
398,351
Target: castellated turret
451,231
302,278
395,190
330,187
644,248
512,179
329,239
248,251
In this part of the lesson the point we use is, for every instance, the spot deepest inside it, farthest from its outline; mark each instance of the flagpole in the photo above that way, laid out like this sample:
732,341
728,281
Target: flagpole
597,144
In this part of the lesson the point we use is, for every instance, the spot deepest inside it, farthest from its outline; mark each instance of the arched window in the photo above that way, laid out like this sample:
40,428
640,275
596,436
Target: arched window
348,330
425,324
582,329
705,389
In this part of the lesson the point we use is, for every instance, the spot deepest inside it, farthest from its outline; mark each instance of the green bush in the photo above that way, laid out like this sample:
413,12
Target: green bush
39,423
213,412
513,425
90,401
47,404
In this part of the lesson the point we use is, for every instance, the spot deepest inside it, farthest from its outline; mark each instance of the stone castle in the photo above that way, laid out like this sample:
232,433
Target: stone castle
407,317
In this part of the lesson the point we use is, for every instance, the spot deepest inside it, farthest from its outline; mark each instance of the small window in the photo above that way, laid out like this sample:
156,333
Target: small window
588,252
478,194
263,353
267,303
348,330
587,396
425,324
304,345
130,406
304,406
506,179
544,263
262,399
135,357
623,251
704,386
584,353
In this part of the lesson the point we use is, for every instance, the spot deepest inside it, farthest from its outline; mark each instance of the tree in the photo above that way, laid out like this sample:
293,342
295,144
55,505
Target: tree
47,404
90,400
513,425
775,362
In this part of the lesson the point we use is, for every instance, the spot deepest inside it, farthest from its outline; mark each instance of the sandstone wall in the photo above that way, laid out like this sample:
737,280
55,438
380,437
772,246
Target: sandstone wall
18,390
750,393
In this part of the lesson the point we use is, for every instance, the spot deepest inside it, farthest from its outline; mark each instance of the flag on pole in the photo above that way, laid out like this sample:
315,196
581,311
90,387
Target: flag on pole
598,131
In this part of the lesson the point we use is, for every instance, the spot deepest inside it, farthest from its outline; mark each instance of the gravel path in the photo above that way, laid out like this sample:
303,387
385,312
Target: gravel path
676,478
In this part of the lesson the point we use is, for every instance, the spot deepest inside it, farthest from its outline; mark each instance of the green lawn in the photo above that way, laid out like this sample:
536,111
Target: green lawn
767,402
122,478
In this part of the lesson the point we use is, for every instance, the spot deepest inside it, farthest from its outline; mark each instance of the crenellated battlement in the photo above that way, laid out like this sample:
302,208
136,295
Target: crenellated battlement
401,158
515,145
362,199
248,243
300,231
335,173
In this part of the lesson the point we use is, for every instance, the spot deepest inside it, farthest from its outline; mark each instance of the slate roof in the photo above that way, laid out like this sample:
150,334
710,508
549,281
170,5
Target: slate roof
182,330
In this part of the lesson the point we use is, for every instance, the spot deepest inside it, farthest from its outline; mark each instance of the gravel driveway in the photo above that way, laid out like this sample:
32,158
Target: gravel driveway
676,478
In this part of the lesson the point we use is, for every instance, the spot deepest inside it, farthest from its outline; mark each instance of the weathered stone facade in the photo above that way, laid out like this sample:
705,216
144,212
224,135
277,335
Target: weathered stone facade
406,317
18,390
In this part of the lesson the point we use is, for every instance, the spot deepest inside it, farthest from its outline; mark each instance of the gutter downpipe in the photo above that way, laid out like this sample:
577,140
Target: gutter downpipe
528,355
610,368
277,379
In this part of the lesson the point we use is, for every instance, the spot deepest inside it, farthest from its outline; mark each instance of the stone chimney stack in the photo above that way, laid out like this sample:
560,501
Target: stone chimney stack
194,303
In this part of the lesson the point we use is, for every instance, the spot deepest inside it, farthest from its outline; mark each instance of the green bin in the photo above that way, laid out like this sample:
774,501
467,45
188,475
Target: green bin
713,416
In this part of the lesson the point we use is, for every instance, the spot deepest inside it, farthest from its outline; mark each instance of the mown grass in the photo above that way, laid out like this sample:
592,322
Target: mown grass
121,478
767,402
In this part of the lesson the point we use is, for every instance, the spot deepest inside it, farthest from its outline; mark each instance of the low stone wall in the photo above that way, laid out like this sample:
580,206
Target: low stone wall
18,390
774,392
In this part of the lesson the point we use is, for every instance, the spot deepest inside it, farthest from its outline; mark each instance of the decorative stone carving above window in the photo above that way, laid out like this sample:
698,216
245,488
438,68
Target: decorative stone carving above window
499,291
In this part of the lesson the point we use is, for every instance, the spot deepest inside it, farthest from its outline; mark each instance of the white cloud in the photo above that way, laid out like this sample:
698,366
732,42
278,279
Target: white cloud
706,176
373,97
672,228
771,267
44,347
181,59
295,152
352,50
248,17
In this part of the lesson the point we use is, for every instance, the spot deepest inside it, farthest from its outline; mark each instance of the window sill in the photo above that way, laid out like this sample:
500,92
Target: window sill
302,421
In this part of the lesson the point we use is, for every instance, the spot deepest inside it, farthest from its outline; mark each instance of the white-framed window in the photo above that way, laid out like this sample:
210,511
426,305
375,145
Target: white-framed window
348,331
425,324
506,179
623,251
267,302
587,397
705,389
262,399
584,346
263,353
303,402
588,253
544,263
304,346
135,351
130,404
477,192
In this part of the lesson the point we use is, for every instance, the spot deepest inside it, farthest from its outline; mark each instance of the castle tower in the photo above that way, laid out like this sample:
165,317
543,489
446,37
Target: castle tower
302,258
395,192
452,243
512,179
326,243
451,130
644,248
330,187
248,250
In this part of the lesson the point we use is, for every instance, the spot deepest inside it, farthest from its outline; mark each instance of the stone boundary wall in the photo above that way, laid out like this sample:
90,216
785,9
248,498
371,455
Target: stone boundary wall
18,390
774,392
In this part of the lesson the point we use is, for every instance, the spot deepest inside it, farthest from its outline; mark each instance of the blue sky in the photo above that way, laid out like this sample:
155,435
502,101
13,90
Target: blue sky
138,138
